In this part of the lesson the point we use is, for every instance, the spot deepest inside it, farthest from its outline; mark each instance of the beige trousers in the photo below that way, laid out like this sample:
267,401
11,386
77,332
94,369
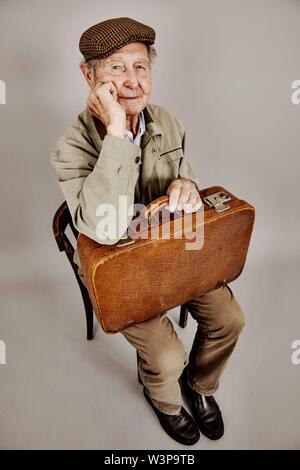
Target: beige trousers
163,357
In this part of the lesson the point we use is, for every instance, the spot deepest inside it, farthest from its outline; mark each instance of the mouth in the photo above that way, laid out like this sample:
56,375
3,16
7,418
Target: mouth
129,97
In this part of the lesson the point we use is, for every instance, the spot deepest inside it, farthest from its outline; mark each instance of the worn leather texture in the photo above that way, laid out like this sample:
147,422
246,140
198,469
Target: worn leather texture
135,282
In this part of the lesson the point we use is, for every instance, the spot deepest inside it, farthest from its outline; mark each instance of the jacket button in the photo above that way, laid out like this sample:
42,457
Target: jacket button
137,159
154,150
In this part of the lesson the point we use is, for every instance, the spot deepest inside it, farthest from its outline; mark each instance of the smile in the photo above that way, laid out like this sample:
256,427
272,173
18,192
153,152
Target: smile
129,97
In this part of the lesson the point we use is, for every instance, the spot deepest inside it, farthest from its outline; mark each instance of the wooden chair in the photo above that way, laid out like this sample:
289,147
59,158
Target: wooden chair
62,219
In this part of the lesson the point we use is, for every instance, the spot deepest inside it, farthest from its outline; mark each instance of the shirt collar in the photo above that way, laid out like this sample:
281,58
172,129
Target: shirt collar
142,128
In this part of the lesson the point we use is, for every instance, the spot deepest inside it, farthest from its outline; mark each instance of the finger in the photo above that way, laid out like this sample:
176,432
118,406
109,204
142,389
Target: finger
93,99
111,88
97,88
101,90
95,109
96,102
93,105
191,203
90,103
173,197
184,197
198,204
114,91
94,112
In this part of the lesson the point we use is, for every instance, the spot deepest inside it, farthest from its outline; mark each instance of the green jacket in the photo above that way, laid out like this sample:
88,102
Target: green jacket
93,167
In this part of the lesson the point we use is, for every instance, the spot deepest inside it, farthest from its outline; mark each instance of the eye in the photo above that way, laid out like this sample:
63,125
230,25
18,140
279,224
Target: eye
141,67
116,67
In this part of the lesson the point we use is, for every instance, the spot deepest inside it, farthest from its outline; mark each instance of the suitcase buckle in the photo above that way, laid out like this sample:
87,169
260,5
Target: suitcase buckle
216,200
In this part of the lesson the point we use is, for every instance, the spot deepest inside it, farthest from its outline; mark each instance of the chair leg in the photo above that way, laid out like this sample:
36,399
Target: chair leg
89,321
88,309
183,316
138,360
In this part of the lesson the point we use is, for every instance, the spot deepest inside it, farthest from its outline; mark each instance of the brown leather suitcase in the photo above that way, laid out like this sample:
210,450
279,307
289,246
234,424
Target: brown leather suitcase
139,278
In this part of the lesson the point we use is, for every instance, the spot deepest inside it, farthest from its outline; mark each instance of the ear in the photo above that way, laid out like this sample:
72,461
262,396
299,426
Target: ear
88,74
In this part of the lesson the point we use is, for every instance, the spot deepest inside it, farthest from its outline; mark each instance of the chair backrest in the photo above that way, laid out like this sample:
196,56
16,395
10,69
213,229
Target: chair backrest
62,219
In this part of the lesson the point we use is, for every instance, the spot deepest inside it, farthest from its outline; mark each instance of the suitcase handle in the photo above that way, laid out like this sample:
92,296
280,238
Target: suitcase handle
154,206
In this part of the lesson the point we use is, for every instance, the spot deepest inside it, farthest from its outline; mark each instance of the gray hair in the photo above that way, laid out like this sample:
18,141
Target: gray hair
95,63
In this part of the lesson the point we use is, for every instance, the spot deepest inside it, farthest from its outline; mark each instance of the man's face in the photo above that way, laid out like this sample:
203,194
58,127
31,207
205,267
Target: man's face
129,70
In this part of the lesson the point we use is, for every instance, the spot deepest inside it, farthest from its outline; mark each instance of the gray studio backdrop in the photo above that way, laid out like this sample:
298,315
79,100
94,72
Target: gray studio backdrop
226,69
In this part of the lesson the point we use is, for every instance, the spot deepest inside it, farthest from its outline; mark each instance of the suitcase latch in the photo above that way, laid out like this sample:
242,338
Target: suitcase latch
217,201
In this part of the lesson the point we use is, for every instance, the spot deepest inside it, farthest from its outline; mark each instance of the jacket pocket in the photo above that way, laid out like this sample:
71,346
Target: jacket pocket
166,168
169,156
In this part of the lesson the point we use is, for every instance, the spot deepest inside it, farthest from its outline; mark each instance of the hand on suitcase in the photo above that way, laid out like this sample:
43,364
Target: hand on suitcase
183,195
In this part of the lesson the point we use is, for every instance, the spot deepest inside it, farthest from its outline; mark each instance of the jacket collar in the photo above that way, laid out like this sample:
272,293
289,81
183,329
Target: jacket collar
152,125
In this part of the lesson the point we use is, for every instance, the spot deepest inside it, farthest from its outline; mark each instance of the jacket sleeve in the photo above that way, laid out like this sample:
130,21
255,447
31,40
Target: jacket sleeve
88,180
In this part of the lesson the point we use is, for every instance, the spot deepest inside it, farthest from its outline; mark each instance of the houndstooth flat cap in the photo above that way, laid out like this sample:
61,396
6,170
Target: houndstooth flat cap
105,38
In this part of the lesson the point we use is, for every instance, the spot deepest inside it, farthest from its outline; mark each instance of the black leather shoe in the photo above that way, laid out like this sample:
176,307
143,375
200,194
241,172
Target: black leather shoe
205,410
180,427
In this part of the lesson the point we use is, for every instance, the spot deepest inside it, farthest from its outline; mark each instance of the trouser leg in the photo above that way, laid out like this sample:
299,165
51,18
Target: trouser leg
220,321
162,360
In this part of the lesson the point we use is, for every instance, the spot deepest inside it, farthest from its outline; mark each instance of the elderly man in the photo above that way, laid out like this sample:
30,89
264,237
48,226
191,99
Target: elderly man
121,145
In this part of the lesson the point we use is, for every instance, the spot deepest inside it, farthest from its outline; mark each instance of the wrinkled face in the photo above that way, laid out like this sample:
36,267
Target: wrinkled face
129,70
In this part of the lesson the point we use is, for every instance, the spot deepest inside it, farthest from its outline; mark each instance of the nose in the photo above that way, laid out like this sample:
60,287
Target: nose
130,79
